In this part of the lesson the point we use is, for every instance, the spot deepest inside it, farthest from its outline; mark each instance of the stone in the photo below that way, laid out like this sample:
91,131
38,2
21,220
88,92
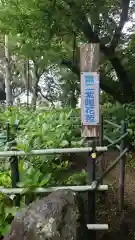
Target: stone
59,216
6,237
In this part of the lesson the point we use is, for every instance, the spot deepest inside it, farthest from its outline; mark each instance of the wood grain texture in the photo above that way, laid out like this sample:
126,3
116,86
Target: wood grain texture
89,62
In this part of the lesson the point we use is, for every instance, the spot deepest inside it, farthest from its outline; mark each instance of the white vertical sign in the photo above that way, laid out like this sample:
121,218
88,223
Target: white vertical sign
89,98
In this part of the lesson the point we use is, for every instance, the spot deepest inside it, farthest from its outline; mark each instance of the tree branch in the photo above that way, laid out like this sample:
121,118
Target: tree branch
126,85
103,84
82,23
35,71
123,19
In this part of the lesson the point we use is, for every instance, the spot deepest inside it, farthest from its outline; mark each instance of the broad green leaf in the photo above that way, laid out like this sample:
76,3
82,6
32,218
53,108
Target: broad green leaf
45,180
64,143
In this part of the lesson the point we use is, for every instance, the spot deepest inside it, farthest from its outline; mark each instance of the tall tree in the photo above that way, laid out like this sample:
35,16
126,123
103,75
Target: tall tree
8,76
51,25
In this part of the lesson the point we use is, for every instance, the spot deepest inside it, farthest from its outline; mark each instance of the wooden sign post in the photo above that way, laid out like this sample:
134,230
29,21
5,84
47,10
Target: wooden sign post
90,115
89,64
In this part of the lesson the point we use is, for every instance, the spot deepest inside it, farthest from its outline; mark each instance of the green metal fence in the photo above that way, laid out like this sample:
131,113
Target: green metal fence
93,152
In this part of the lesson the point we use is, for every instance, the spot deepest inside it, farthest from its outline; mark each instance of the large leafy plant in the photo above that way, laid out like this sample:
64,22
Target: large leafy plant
37,130
7,210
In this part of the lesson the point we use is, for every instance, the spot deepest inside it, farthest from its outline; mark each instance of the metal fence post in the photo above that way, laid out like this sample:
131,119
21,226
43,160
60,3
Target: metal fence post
122,164
14,170
91,168
8,132
101,164
15,177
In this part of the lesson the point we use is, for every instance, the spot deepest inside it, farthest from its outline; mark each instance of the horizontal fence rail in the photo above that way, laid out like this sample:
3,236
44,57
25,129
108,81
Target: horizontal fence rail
110,168
117,140
3,137
51,151
112,124
97,226
53,189
111,141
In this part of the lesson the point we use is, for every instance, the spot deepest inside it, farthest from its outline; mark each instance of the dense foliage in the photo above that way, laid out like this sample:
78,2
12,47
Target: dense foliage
117,113
49,129
48,35
40,129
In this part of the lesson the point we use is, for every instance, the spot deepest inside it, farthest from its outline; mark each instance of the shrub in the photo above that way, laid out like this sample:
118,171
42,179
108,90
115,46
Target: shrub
38,130
116,113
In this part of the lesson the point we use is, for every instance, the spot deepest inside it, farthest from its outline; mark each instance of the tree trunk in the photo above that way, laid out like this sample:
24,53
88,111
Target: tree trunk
35,86
26,79
126,90
8,75
73,101
122,74
34,97
105,85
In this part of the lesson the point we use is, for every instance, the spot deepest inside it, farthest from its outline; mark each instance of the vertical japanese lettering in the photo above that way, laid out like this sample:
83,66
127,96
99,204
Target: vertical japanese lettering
90,96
